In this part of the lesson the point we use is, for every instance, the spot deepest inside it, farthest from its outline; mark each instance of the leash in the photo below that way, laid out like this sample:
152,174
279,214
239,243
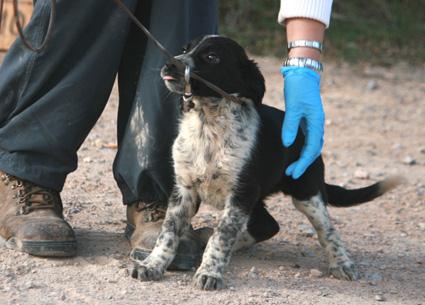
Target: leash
18,24
178,63
188,73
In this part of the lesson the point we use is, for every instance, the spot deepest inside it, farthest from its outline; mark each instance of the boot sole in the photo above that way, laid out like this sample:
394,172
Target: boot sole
44,248
181,262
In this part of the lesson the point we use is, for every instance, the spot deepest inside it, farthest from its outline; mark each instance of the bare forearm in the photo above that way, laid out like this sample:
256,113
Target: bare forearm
304,29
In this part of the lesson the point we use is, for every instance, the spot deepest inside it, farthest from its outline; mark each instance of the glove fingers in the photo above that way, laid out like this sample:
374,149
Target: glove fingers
290,128
311,150
290,169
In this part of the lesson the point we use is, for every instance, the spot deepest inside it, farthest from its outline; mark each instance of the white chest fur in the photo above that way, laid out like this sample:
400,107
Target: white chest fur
214,142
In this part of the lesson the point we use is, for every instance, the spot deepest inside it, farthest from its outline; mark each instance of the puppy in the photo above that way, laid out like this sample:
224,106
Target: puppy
229,154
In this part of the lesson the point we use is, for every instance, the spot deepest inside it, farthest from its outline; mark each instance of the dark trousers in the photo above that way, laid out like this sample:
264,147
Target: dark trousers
50,101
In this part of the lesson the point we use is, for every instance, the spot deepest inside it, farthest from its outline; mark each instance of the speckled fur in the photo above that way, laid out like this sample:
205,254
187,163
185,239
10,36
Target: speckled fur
224,156
215,141
340,265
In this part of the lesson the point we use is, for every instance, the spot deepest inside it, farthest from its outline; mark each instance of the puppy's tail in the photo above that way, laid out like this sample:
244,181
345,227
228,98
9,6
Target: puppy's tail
341,197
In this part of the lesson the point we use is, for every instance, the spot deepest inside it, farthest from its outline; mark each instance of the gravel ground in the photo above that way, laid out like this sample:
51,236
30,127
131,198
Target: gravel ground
375,127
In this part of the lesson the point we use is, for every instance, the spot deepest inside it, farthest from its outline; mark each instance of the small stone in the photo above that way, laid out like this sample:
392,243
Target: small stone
29,285
422,225
307,253
281,268
253,273
315,273
397,146
420,191
403,234
372,85
373,278
98,143
379,298
87,160
408,160
74,210
361,174
422,150
297,275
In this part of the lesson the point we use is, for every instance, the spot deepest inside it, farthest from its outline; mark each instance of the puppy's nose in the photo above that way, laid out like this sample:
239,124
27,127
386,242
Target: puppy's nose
170,66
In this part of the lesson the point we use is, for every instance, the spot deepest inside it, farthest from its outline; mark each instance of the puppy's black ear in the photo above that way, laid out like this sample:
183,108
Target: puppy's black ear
254,87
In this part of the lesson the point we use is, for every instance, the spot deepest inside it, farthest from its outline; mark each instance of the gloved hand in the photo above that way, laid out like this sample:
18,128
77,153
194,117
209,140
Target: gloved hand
303,105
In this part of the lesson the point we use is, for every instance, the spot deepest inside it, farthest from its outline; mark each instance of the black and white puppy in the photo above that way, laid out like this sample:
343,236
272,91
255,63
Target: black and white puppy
229,154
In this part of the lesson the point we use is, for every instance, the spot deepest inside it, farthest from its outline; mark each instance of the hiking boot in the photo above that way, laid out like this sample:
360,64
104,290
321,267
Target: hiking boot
144,222
31,219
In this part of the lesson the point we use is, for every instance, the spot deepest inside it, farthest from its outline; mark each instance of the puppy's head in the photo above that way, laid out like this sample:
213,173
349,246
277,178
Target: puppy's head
220,61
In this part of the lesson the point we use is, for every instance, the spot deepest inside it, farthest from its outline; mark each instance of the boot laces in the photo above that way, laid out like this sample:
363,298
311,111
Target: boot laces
153,211
29,196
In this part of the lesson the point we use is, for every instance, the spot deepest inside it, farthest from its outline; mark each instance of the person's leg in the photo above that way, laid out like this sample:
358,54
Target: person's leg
143,166
49,103
147,122
51,100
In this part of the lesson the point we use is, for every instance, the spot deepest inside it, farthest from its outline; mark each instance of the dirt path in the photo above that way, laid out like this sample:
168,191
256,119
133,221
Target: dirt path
375,127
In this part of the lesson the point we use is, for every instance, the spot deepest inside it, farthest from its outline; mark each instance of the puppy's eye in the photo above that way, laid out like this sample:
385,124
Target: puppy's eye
212,58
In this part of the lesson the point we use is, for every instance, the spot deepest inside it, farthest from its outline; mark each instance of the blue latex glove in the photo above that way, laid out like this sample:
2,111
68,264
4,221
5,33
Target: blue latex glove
303,105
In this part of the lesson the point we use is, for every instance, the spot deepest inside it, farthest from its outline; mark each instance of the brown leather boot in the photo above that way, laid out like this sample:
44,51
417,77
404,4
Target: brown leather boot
31,219
144,222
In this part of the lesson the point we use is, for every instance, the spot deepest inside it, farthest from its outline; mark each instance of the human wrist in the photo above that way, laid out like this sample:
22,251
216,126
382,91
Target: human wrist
304,29
304,52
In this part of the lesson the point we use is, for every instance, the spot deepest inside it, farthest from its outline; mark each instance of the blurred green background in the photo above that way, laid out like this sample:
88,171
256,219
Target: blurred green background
378,31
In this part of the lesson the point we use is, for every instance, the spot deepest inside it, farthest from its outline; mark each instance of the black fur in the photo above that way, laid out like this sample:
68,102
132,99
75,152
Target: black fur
236,73
251,129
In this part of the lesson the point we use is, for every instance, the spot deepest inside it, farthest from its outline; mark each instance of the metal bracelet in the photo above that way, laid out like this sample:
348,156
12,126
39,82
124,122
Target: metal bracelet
303,62
305,44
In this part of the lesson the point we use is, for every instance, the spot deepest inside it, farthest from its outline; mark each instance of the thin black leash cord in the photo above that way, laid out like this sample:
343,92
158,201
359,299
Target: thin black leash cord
21,31
169,56
121,5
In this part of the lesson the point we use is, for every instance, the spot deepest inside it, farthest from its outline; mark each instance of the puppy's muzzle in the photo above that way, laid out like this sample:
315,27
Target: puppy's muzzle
173,77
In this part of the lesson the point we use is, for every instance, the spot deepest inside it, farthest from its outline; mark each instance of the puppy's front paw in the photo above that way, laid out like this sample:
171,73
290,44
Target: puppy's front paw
146,273
206,281
345,271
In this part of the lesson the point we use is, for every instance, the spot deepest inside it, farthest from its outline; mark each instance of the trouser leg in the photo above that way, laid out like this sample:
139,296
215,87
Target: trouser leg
49,101
148,112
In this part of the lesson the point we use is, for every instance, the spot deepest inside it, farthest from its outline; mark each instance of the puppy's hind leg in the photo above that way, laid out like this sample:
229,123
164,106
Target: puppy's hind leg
340,265
261,226
181,208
